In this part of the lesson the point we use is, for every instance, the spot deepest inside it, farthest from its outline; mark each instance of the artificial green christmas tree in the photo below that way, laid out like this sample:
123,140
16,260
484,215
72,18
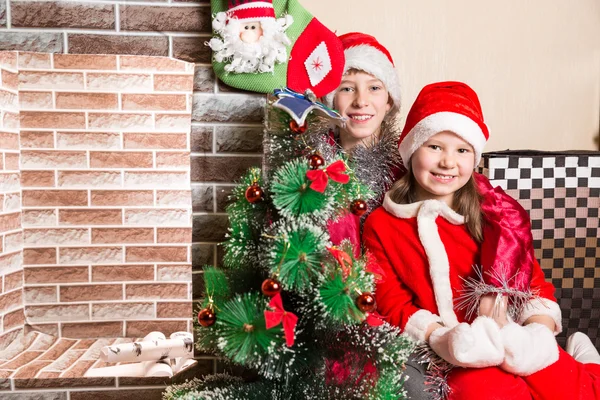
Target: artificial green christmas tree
287,303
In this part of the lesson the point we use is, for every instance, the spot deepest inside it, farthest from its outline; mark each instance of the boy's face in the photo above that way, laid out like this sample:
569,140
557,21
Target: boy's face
364,101
441,166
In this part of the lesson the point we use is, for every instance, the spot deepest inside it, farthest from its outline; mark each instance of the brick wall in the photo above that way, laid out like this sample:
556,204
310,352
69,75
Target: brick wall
106,193
226,122
11,234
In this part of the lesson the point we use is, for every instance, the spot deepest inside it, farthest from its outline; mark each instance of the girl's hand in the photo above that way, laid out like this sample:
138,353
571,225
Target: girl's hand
477,345
493,306
528,349
541,319
430,330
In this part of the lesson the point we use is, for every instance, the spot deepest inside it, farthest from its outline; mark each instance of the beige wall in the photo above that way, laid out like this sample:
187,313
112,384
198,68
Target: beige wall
535,64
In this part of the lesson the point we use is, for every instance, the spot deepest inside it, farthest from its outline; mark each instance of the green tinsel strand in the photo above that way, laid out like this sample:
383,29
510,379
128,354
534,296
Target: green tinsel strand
246,222
242,280
191,390
292,195
296,254
396,347
353,190
206,337
240,208
337,293
180,390
216,286
282,145
243,336
388,386
223,387
241,249
338,300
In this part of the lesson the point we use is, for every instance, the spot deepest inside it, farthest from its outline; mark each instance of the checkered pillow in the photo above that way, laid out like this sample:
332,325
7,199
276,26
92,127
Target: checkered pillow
561,192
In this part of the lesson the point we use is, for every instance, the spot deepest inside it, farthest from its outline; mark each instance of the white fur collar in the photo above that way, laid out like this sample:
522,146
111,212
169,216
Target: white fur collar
426,207
439,266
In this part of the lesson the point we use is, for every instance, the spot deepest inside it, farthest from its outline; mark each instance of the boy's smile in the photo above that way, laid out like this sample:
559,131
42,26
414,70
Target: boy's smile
364,101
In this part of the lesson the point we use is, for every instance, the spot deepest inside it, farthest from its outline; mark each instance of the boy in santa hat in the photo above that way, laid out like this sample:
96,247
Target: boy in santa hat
428,236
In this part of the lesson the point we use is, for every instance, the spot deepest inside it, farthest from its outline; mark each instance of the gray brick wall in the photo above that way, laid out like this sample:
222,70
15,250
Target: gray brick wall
226,122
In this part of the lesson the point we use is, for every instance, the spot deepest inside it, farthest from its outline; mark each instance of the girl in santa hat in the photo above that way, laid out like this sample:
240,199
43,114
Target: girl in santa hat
369,97
428,236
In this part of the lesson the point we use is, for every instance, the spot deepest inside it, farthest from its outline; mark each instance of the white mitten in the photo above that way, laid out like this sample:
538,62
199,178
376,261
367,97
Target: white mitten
528,348
477,345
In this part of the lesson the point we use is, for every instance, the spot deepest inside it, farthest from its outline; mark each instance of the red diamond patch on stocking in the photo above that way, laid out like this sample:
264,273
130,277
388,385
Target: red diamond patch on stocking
317,60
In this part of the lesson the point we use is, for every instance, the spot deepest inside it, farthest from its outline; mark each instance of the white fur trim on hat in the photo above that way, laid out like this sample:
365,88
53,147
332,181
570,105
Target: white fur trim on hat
372,61
417,324
460,124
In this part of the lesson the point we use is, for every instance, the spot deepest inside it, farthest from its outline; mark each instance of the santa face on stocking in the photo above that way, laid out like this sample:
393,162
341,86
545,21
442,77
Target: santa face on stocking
251,32
250,38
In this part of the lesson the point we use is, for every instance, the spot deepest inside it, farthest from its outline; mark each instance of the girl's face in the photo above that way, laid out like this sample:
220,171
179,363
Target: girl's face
364,101
441,166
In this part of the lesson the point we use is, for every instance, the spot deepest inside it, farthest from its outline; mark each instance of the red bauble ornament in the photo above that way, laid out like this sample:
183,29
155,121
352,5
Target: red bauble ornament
270,287
207,317
366,302
299,129
254,193
315,161
359,207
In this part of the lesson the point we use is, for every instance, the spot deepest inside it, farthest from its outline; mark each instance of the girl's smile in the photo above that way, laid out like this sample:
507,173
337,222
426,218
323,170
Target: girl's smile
443,178
441,166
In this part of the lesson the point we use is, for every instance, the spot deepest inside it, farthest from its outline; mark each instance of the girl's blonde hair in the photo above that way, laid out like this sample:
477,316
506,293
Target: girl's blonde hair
467,201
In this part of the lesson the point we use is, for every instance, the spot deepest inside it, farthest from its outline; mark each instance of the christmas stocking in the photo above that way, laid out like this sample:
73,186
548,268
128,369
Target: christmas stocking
263,45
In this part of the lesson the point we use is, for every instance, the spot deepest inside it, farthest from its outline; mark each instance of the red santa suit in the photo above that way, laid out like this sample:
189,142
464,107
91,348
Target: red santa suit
426,251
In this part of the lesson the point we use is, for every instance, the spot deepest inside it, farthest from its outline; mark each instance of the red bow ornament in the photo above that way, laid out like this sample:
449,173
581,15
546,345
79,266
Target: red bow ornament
374,319
343,259
374,268
275,317
320,177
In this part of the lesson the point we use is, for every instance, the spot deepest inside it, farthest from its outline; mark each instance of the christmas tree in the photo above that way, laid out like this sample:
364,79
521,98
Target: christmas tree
286,303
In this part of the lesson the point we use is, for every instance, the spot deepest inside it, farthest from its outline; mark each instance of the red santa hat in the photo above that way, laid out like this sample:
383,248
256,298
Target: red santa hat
444,106
251,10
363,52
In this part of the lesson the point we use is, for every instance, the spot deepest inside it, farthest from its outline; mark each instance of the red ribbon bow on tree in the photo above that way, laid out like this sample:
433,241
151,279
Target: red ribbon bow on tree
374,268
320,177
343,259
275,317
374,319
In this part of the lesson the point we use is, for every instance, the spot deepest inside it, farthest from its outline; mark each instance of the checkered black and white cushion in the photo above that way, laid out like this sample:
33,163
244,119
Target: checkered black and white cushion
561,192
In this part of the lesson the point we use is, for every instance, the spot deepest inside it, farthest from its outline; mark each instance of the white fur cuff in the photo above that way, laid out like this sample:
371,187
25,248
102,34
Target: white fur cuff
417,324
541,306
528,349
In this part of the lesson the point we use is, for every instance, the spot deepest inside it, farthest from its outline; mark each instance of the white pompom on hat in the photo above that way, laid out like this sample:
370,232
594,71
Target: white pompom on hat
251,10
363,52
444,106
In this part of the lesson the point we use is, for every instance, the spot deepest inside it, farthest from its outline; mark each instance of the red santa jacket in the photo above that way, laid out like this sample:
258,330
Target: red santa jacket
425,250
